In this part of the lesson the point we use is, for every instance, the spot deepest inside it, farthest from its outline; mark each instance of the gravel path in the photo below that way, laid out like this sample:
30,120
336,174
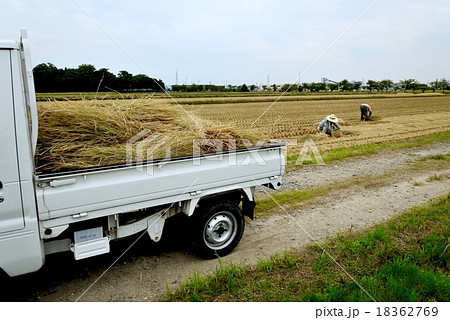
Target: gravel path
143,272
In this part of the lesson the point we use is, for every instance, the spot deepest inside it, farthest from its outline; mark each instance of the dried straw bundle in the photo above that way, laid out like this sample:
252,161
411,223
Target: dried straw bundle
80,134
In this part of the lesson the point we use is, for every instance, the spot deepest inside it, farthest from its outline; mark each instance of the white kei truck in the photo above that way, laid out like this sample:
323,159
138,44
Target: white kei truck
83,210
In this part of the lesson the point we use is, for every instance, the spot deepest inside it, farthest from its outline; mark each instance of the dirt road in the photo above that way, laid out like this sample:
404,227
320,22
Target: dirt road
141,271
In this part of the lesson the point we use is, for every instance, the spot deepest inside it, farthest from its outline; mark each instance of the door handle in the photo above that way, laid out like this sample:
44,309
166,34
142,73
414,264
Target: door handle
1,197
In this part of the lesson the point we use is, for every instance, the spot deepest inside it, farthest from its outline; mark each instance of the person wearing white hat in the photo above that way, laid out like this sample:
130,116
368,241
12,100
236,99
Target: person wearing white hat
329,124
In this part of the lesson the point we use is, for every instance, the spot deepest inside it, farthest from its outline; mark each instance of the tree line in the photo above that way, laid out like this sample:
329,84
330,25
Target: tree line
371,85
342,86
86,78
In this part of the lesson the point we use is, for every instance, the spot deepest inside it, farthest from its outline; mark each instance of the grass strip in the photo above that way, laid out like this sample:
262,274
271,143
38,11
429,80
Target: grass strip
204,97
404,259
367,149
289,198
291,98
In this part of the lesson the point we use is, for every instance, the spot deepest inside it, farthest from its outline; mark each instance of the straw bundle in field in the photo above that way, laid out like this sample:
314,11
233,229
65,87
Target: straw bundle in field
80,134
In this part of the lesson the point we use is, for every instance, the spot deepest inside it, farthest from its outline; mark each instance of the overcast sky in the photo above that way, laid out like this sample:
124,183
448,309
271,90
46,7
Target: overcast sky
239,41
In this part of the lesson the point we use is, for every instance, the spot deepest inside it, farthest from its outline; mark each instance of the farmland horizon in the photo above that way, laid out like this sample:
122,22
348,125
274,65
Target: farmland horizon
87,78
261,81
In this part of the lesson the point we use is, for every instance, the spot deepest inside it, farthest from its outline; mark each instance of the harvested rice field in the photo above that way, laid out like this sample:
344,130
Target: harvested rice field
86,133
394,118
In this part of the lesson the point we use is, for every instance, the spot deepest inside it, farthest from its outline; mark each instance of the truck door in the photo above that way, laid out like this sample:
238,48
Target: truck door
11,209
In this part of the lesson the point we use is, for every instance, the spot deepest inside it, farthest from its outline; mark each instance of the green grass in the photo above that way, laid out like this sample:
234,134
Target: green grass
435,177
288,198
404,259
204,97
344,153
75,96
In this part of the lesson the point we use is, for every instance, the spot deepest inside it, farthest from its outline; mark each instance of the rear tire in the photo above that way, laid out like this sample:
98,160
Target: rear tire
218,229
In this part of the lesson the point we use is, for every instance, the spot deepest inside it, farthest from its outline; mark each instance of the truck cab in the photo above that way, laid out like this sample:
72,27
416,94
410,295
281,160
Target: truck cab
19,234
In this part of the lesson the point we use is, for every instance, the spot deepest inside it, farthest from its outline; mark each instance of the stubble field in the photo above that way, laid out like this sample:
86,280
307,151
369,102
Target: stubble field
394,118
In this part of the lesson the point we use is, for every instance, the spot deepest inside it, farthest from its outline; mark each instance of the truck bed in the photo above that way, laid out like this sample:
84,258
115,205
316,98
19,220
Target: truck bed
101,191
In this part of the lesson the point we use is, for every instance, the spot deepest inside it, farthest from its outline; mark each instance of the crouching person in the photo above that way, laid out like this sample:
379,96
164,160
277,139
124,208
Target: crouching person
366,112
329,124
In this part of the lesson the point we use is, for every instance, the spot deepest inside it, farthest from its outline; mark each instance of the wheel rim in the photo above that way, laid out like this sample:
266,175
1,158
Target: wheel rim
220,230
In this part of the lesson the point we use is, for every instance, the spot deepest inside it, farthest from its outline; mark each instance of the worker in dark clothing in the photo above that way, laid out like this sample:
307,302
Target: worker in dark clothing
366,112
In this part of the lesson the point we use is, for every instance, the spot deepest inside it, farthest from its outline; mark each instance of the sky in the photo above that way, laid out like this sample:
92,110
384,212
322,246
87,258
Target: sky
232,42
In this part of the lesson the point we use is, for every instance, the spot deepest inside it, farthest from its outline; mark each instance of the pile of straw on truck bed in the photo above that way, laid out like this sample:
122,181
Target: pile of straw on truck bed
87,133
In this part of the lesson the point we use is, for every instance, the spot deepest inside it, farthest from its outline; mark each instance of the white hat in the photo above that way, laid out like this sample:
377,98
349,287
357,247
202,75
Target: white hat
332,118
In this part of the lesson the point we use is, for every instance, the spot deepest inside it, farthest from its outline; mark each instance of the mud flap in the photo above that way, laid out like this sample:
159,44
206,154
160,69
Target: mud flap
248,207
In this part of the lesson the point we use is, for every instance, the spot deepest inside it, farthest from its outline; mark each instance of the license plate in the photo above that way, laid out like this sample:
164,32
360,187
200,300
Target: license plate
88,234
